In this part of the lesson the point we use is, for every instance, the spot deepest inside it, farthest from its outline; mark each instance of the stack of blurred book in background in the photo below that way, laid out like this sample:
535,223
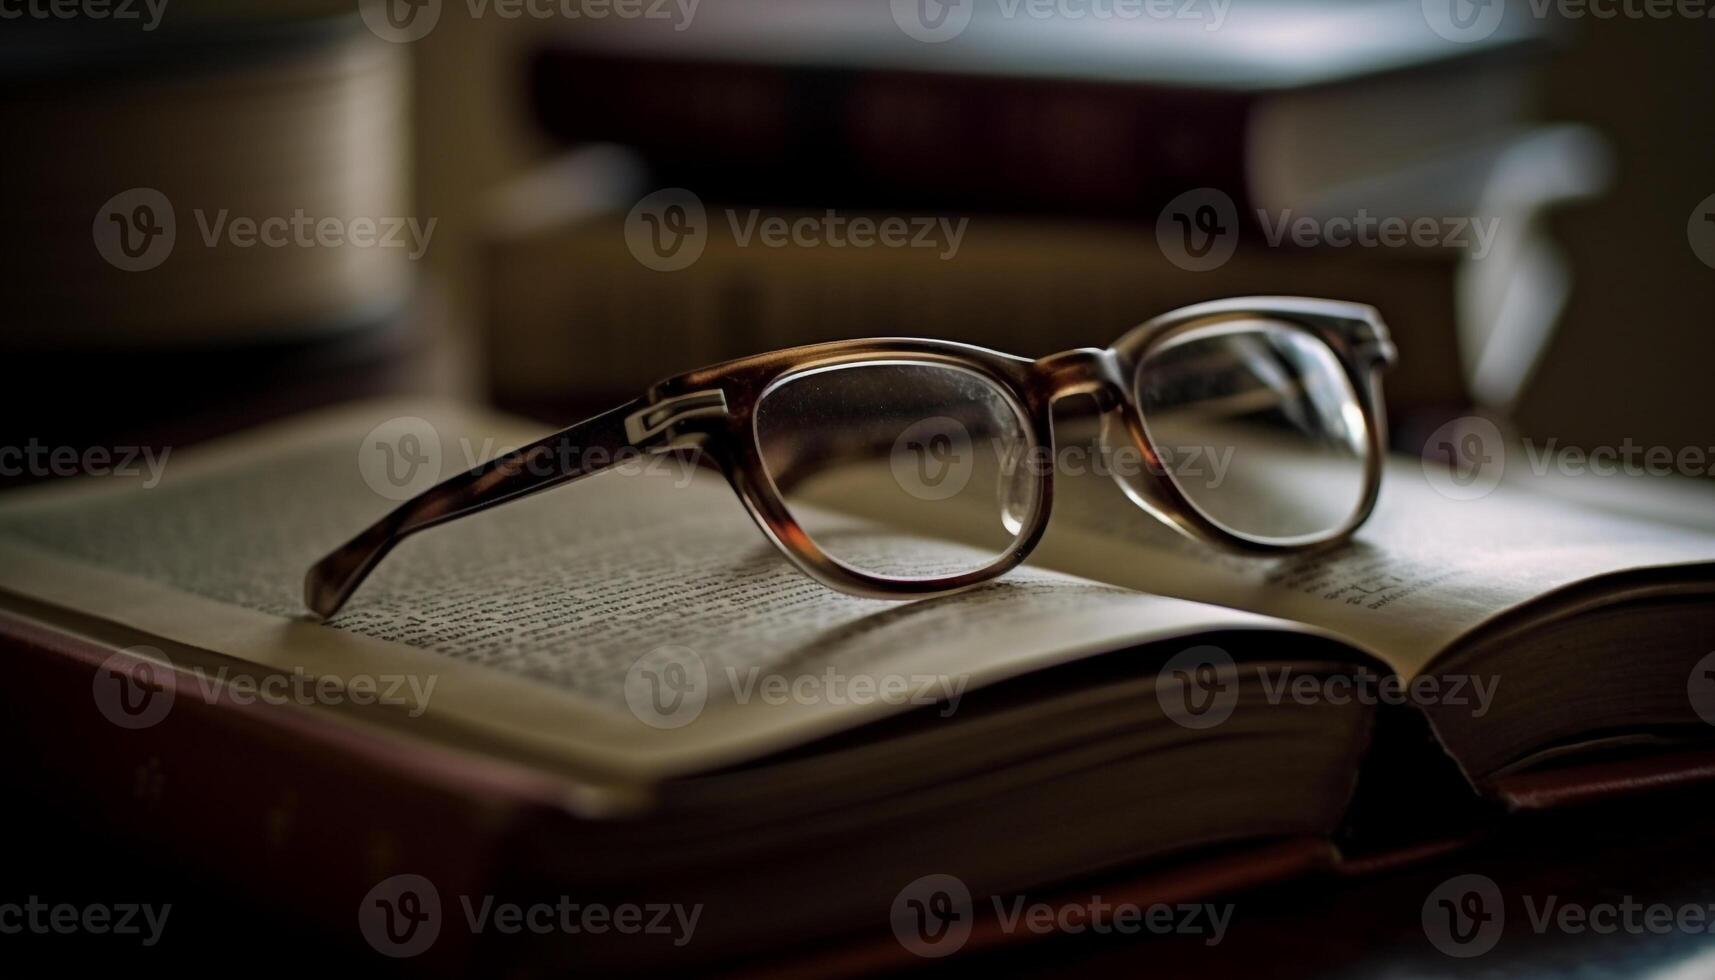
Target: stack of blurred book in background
207,230
1042,180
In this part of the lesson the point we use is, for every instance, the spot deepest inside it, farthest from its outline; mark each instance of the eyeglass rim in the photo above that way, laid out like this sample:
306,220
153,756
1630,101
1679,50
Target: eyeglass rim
814,560
1354,332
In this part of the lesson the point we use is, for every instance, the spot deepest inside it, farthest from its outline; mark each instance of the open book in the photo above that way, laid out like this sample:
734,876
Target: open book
712,722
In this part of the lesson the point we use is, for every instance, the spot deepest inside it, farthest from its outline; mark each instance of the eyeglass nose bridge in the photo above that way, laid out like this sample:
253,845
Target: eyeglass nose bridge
1102,374
1092,371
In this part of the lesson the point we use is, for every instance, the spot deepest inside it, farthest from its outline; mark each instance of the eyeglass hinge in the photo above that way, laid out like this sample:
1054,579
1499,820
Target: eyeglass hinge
1376,350
1369,341
645,425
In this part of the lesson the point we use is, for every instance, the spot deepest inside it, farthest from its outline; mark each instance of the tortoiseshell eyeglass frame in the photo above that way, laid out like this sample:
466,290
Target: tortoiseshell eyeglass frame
713,410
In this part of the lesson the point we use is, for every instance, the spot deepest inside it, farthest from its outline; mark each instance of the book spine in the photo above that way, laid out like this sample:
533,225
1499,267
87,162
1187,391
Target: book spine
272,801
811,136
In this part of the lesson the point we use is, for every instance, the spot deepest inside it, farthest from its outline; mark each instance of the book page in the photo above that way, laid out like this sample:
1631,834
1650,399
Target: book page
1429,566
575,624
1423,571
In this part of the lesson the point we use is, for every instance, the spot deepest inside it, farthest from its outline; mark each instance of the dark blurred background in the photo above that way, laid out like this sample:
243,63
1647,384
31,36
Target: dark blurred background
222,213
465,196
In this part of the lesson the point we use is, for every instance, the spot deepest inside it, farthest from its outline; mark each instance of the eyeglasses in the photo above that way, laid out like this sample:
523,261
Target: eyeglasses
898,468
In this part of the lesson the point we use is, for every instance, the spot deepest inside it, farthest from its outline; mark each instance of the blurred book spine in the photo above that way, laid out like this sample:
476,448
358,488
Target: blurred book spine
575,318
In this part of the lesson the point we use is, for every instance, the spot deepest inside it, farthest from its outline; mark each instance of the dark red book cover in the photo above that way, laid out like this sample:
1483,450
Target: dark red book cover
796,135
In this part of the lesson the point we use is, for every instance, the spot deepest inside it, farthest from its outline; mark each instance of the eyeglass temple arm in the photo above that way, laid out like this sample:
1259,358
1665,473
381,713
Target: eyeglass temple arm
570,454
